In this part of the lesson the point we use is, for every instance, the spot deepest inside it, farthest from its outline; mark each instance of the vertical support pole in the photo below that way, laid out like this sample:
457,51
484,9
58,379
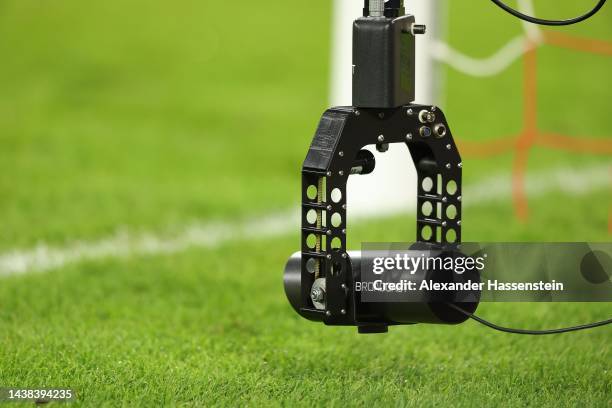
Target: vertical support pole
377,8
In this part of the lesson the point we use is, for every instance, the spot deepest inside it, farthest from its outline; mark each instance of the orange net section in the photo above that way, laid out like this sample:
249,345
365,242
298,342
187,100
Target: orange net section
531,136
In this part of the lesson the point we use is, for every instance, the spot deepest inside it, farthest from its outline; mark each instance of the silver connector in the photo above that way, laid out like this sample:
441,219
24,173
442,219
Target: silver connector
417,29
377,8
426,116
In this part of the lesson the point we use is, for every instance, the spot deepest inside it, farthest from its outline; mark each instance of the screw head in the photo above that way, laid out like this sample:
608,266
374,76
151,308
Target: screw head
344,206
459,222
328,313
448,147
409,112
344,231
460,165
341,172
343,286
329,207
341,153
409,136
328,256
344,255
448,165
328,174
381,138
343,311
317,295
444,223
444,199
357,113
459,198
328,232
425,131
382,147
381,115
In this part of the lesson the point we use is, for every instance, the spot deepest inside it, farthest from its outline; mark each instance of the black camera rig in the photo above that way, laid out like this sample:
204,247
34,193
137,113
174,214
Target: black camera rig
320,279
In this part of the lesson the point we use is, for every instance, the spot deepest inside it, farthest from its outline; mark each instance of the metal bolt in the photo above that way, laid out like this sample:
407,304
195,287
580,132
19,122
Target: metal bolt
460,165
343,286
381,115
425,131
328,256
409,112
444,223
341,153
343,311
448,165
448,147
444,199
343,231
459,198
409,136
329,207
381,138
328,232
344,206
328,174
344,255
459,222
328,313
382,147
341,172
357,113
317,295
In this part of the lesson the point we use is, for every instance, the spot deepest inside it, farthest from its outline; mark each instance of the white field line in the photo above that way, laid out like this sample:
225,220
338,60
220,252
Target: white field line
208,235
497,62
480,67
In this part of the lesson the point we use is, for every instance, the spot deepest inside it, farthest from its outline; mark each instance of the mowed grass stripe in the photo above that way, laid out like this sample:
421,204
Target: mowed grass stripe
497,188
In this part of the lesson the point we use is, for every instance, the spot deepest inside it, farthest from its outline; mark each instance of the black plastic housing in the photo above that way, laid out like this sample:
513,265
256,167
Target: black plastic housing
378,316
383,62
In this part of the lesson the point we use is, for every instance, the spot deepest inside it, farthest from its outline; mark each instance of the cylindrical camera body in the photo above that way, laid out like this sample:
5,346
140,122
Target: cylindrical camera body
378,309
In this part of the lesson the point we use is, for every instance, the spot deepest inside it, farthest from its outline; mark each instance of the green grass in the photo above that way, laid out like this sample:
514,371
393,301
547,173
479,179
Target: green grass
144,113
150,115
213,327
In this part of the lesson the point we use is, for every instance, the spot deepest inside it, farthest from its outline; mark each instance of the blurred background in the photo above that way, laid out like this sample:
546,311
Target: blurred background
150,157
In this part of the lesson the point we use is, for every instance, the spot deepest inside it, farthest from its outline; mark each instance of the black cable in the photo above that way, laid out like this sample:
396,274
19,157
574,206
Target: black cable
532,332
541,21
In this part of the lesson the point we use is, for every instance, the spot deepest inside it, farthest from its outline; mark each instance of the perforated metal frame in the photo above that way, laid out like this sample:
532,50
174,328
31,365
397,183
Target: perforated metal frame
341,133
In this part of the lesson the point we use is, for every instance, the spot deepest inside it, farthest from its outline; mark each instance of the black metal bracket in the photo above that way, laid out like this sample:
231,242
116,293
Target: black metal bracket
320,279
342,133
